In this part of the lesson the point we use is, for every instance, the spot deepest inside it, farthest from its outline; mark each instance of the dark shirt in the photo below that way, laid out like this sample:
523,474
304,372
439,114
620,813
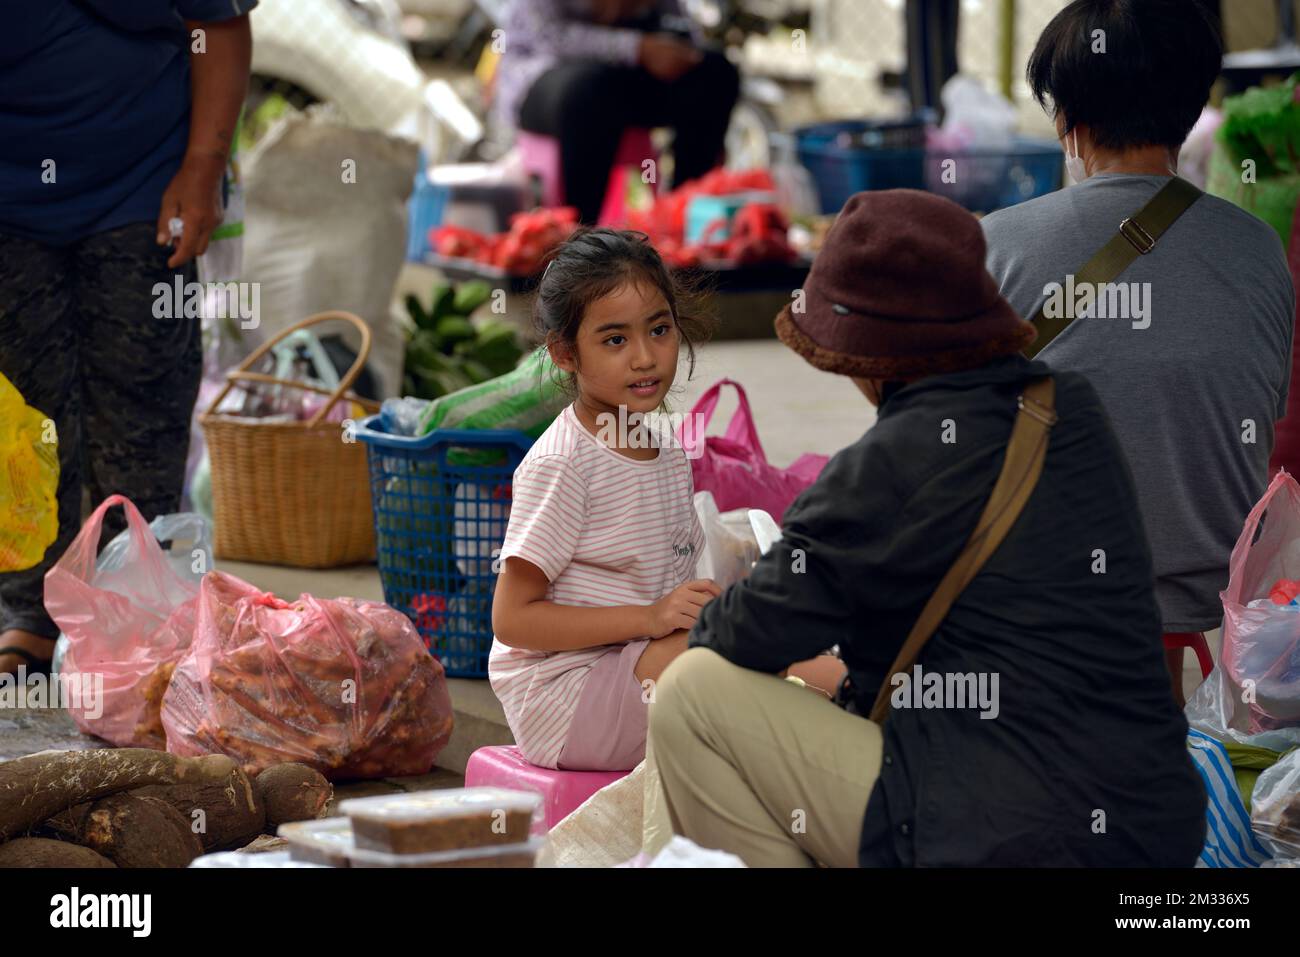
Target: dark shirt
94,111
1087,735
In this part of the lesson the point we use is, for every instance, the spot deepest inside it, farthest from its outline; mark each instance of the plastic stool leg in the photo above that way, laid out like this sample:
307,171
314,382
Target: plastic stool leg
1206,660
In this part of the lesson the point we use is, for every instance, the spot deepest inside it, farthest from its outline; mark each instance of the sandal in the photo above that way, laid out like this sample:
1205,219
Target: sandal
35,666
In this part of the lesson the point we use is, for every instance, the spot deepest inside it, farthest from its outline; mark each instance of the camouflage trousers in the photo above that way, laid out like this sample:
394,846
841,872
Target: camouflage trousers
79,340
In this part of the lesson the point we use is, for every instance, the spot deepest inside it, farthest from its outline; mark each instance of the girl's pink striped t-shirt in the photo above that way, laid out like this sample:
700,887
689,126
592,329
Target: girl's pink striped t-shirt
606,530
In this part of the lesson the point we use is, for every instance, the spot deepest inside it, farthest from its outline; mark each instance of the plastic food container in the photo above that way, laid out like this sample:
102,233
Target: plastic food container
429,821
326,841
236,859
499,855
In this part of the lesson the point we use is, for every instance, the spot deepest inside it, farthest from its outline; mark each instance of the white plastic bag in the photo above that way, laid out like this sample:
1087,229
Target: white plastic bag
975,118
683,852
730,548
481,514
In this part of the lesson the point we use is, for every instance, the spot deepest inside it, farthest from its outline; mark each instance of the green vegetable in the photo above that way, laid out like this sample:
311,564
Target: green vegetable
453,329
471,295
500,355
1263,125
417,313
446,352
478,372
444,302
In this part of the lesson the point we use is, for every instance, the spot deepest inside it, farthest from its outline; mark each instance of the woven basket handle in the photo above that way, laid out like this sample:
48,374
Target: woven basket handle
243,375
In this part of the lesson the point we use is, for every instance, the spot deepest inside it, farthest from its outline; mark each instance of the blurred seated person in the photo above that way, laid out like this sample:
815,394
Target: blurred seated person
583,71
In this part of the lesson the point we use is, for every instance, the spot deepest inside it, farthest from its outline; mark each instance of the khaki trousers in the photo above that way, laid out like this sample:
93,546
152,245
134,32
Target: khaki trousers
755,765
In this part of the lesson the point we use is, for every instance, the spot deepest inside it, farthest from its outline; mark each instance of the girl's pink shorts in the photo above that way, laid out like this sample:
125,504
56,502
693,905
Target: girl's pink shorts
609,725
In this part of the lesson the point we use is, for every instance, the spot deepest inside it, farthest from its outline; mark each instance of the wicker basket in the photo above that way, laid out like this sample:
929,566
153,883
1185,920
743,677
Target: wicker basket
291,493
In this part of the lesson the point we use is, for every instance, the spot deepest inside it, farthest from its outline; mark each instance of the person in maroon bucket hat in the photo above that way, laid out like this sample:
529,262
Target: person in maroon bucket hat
902,291
1037,727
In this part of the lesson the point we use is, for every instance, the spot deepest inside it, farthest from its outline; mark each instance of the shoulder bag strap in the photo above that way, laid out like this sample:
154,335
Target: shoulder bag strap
1137,236
1026,451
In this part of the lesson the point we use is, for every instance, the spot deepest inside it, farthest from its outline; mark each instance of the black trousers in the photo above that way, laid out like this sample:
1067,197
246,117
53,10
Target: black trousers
586,105
79,340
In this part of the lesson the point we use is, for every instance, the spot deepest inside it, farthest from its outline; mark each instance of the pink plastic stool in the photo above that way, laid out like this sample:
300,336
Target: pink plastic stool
541,158
561,791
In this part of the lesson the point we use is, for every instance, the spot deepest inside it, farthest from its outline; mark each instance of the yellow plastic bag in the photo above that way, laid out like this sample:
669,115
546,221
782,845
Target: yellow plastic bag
29,479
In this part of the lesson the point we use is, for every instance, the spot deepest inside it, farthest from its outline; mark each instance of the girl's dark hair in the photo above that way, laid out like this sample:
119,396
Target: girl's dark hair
1151,83
596,261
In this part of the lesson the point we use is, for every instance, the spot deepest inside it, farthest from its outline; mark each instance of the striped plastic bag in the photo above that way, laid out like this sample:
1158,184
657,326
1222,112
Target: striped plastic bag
1229,839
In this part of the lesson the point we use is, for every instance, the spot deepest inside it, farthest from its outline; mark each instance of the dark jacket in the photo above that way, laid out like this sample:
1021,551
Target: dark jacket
1085,762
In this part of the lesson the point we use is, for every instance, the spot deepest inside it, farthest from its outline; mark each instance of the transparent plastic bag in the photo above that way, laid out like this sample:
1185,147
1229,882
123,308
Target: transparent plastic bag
1261,645
188,538
342,685
188,535
1275,807
730,547
126,623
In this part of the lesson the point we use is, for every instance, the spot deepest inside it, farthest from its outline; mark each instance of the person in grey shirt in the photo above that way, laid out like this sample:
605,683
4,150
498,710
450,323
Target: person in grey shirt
1191,354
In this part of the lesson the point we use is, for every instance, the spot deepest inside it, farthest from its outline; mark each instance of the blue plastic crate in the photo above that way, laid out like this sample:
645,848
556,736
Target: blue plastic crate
850,156
988,180
441,504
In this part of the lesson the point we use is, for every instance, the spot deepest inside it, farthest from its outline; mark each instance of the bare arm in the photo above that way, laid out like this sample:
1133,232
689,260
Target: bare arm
218,86
523,618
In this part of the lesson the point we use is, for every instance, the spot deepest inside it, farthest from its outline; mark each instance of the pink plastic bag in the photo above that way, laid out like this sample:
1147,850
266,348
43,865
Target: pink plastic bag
734,467
342,685
1261,645
126,628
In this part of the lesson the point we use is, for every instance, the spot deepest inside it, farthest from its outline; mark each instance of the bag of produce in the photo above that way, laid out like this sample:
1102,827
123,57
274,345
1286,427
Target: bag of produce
1261,639
342,685
29,513
1275,806
128,617
527,399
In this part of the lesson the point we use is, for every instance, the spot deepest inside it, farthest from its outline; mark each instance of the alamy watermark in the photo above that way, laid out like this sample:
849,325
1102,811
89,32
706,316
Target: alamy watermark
1107,300
647,430
83,691
129,911
951,689
215,300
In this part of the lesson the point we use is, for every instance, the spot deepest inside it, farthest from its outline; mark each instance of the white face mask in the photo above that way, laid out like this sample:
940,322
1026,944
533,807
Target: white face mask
1074,164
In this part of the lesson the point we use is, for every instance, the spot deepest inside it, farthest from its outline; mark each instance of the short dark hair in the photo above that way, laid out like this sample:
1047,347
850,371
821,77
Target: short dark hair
1148,88
596,261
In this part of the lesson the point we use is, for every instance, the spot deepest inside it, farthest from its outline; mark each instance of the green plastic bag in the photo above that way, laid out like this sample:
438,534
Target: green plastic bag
526,399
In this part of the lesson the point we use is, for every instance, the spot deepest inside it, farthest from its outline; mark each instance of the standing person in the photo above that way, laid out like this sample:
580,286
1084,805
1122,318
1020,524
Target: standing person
1053,740
1195,377
584,70
116,119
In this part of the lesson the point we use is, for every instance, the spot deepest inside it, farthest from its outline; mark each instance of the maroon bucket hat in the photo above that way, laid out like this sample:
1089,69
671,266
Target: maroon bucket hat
899,290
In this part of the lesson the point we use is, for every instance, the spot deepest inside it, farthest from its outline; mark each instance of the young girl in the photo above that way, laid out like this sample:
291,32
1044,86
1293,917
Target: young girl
597,590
